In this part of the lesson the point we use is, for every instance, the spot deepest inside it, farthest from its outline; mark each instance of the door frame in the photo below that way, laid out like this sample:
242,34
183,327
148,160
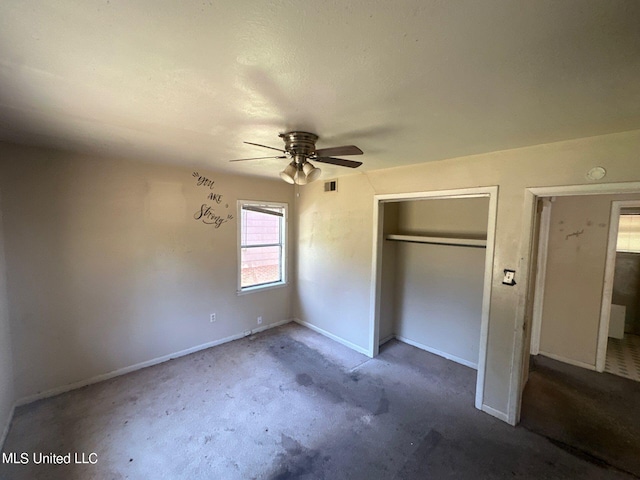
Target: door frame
376,270
532,194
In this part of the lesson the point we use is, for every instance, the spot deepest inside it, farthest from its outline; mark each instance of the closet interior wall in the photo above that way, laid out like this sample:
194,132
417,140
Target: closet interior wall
431,293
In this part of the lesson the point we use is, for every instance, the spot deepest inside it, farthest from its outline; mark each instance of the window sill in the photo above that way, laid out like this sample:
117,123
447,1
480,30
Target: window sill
261,288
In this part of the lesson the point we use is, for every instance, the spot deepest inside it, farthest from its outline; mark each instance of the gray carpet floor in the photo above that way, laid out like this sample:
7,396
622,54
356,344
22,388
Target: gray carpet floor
596,414
284,404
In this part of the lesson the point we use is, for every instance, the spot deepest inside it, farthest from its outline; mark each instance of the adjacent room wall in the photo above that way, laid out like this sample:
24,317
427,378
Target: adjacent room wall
577,252
438,288
112,263
335,241
626,289
388,274
6,360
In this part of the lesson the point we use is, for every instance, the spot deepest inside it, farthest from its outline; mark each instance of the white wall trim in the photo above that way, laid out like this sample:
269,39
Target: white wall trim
530,197
387,339
344,342
541,275
609,273
592,189
448,356
570,361
376,270
7,426
376,278
471,192
486,295
138,366
496,413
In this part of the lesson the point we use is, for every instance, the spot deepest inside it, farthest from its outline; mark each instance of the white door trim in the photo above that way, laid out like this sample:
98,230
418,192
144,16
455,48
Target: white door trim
541,274
376,270
530,197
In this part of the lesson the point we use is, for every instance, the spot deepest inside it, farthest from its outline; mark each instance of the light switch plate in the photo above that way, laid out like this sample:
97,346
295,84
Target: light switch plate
509,277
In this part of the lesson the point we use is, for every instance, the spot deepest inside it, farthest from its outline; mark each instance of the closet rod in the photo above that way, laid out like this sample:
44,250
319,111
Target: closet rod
452,241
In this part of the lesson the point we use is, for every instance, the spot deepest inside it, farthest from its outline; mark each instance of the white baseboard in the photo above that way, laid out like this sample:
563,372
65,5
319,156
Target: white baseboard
446,355
149,363
344,342
386,339
496,413
575,363
5,430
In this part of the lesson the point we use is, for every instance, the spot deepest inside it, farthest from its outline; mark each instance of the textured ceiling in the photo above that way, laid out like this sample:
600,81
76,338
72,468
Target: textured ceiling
407,81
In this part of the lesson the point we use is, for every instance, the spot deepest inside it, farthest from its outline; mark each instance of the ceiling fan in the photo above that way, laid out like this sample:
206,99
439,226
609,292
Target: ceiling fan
301,147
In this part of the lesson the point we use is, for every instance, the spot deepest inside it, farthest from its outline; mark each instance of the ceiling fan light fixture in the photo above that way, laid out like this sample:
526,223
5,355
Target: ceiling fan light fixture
290,173
300,177
312,173
301,146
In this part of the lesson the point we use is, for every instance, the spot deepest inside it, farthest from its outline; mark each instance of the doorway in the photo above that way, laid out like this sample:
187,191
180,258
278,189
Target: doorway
538,299
619,352
383,234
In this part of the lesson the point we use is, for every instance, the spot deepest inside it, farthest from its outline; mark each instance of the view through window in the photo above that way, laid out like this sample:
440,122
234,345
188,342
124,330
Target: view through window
262,245
629,233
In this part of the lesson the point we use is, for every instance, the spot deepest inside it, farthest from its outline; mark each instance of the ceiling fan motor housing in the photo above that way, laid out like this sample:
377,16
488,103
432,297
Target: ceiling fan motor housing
299,144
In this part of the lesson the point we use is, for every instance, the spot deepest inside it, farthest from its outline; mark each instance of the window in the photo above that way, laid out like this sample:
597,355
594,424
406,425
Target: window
262,249
629,233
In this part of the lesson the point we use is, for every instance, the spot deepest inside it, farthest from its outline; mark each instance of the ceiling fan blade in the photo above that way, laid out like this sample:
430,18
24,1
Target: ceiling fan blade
254,158
338,161
344,150
265,146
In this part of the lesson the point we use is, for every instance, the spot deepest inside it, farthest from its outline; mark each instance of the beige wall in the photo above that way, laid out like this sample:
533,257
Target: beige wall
462,217
577,251
336,241
438,288
108,267
6,360
388,273
334,255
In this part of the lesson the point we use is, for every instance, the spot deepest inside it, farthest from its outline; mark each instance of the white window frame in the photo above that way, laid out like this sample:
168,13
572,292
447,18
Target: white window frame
283,251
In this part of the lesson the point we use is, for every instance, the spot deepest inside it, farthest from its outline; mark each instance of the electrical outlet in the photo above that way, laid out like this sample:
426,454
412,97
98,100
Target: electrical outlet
259,320
212,317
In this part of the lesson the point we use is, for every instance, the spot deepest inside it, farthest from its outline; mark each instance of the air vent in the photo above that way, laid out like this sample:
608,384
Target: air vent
331,186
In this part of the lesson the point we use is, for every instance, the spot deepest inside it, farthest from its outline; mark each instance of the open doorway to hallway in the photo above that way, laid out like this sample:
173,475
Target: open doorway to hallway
623,273
574,315
566,395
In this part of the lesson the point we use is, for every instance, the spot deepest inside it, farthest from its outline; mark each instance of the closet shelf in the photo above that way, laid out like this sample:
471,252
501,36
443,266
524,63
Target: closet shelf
460,242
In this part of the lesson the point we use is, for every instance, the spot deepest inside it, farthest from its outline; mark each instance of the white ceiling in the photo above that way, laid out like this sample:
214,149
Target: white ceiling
407,81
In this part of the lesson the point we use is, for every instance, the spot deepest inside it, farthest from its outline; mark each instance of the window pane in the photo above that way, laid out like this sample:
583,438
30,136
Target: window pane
260,228
260,265
629,233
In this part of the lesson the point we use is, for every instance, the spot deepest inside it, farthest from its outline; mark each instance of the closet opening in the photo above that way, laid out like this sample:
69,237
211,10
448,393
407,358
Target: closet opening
432,271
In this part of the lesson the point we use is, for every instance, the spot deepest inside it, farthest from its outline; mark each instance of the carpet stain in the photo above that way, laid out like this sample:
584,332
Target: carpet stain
298,461
417,465
383,404
304,379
